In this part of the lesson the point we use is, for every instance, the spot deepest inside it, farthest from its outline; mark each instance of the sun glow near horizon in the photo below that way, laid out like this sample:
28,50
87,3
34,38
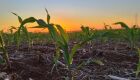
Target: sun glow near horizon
70,26
70,14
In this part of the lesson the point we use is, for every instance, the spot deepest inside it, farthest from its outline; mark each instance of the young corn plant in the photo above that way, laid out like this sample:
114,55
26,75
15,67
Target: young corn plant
23,29
108,33
10,35
129,34
101,35
4,51
138,65
87,32
12,28
107,27
61,39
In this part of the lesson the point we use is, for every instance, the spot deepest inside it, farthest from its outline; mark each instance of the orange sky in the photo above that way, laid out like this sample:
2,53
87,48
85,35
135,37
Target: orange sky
74,25
71,14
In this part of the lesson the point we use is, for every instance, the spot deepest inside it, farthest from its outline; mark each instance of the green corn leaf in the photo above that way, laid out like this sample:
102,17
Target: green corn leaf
42,23
48,19
37,27
14,13
17,34
90,60
15,37
63,43
19,30
123,25
97,61
77,46
64,35
53,32
27,34
1,41
105,26
28,20
5,54
19,18
57,55
86,31
107,33
66,55
48,16
51,28
12,27
24,29
130,33
64,48
138,65
83,28
73,51
138,53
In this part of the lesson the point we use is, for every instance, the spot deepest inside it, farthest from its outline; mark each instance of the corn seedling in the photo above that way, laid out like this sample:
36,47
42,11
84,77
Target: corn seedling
87,31
100,36
138,65
23,29
129,34
3,49
107,33
75,36
10,35
12,29
61,39
107,27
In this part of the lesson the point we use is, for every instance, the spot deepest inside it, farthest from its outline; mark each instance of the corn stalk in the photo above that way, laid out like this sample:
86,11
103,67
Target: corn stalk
129,34
23,29
5,54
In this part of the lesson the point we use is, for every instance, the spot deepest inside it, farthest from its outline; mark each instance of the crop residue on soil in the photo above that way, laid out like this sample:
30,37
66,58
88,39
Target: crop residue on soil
36,63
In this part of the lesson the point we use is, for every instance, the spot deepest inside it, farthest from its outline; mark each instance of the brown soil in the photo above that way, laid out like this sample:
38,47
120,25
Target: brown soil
36,63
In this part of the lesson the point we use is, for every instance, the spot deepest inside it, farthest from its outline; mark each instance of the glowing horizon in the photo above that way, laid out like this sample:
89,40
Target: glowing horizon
71,14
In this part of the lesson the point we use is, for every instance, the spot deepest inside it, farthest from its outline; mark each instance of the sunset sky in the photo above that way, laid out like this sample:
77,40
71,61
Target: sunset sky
71,14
